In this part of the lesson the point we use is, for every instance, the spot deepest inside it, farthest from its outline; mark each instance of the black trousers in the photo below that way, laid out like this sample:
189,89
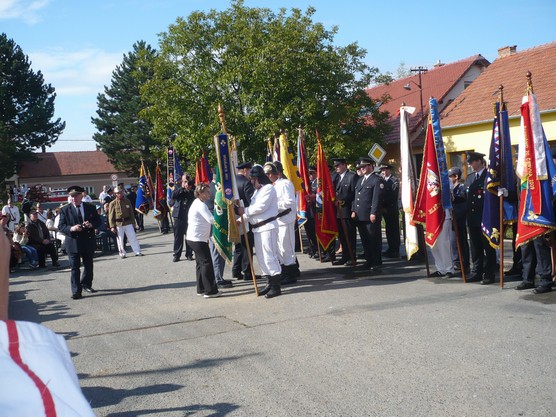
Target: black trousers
311,235
78,280
206,283
43,250
241,256
180,228
463,242
351,235
371,239
483,256
536,257
139,220
392,226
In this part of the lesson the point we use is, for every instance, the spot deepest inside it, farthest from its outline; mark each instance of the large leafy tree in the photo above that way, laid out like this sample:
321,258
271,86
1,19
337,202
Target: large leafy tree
270,71
26,109
123,135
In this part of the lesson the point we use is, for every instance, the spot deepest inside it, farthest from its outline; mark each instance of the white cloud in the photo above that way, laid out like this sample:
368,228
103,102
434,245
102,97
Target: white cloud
26,10
76,72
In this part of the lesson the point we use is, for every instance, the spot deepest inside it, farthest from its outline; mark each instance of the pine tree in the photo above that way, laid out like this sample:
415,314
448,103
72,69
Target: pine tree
122,134
26,109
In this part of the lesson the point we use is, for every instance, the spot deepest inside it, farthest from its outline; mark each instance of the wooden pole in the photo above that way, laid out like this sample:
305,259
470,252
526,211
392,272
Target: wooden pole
221,116
460,256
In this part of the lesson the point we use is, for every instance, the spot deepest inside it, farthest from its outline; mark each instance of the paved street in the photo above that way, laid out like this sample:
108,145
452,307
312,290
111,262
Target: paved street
394,344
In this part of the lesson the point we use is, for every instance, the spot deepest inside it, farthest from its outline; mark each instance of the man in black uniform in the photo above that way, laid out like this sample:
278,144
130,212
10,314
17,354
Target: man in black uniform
391,211
367,212
241,255
181,199
344,184
78,221
459,203
483,256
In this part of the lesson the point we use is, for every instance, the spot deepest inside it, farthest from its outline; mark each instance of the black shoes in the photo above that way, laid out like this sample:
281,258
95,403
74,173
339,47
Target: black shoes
512,272
175,259
89,290
340,262
542,290
525,286
189,258
77,296
225,284
487,281
55,264
391,255
437,274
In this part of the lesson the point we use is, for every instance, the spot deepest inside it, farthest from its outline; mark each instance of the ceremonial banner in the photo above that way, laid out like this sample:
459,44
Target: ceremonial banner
305,184
326,227
142,204
160,200
537,172
220,227
428,208
408,182
500,174
227,181
170,172
202,170
441,155
289,162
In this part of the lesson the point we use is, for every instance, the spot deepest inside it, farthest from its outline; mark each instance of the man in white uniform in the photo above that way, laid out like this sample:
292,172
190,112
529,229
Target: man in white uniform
286,221
262,214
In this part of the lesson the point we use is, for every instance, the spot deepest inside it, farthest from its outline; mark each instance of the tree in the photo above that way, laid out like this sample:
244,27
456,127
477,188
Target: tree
270,72
123,135
26,109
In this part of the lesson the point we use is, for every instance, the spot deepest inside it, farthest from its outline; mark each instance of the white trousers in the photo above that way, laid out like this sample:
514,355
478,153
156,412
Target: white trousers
129,231
442,250
266,249
286,244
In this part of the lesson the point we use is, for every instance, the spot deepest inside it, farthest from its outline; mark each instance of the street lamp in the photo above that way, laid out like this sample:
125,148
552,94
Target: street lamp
419,70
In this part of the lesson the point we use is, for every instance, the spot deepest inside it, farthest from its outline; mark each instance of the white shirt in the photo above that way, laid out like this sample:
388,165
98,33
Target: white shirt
13,216
199,222
285,192
263,206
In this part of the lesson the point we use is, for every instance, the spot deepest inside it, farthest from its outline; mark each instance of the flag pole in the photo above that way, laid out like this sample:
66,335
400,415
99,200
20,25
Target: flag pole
221,116
501,167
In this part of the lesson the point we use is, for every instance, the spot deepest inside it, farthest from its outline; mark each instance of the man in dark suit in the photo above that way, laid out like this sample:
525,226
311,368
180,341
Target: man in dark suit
39,238
344,184
78,221
483,256
391,211
241,257
181,199
367,212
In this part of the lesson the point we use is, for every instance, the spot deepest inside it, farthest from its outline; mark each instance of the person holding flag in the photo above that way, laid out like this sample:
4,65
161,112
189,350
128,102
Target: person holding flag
483,256
433,203
181,199
536,218
262,214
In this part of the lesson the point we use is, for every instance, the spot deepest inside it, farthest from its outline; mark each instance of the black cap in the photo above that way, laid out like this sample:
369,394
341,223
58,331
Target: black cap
312,168
279,166
244,165
385,166
75,189
366,161
338,161
257,172
455,171
474,156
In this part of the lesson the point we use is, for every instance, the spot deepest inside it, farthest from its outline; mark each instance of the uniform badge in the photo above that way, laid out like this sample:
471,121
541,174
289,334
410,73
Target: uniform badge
381,185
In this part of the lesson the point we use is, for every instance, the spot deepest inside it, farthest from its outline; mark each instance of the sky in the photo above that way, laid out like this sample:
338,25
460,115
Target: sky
77,44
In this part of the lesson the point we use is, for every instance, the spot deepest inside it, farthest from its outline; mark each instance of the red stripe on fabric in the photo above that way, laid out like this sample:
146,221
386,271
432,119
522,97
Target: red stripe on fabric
13,342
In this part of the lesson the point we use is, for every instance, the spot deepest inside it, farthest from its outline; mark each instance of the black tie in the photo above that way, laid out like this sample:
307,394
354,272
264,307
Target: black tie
79,216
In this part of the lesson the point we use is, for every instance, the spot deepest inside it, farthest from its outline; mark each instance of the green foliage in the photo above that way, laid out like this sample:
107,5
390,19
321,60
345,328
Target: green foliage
26,109
270,71
123,135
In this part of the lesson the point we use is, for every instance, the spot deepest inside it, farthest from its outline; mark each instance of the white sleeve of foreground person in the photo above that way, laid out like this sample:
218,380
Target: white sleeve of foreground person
37,375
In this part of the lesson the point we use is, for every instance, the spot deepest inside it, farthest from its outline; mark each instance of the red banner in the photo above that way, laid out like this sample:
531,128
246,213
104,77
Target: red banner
428,208
325,224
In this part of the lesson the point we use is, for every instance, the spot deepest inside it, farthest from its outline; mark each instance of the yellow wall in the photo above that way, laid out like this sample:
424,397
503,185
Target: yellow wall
477,137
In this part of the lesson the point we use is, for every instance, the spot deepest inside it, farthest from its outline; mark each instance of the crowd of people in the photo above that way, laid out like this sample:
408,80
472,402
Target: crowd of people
367,198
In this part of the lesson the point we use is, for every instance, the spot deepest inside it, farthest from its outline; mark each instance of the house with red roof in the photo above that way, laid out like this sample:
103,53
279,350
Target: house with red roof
445,82
467,121
60,170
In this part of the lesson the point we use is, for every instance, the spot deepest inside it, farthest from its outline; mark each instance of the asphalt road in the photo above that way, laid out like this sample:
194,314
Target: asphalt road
337,343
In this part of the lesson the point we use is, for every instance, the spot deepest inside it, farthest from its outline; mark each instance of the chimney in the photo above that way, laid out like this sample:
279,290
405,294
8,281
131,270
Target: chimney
507,51
438,64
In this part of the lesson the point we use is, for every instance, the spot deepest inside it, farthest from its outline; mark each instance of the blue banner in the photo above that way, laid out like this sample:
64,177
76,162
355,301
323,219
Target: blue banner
441,155
225,165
